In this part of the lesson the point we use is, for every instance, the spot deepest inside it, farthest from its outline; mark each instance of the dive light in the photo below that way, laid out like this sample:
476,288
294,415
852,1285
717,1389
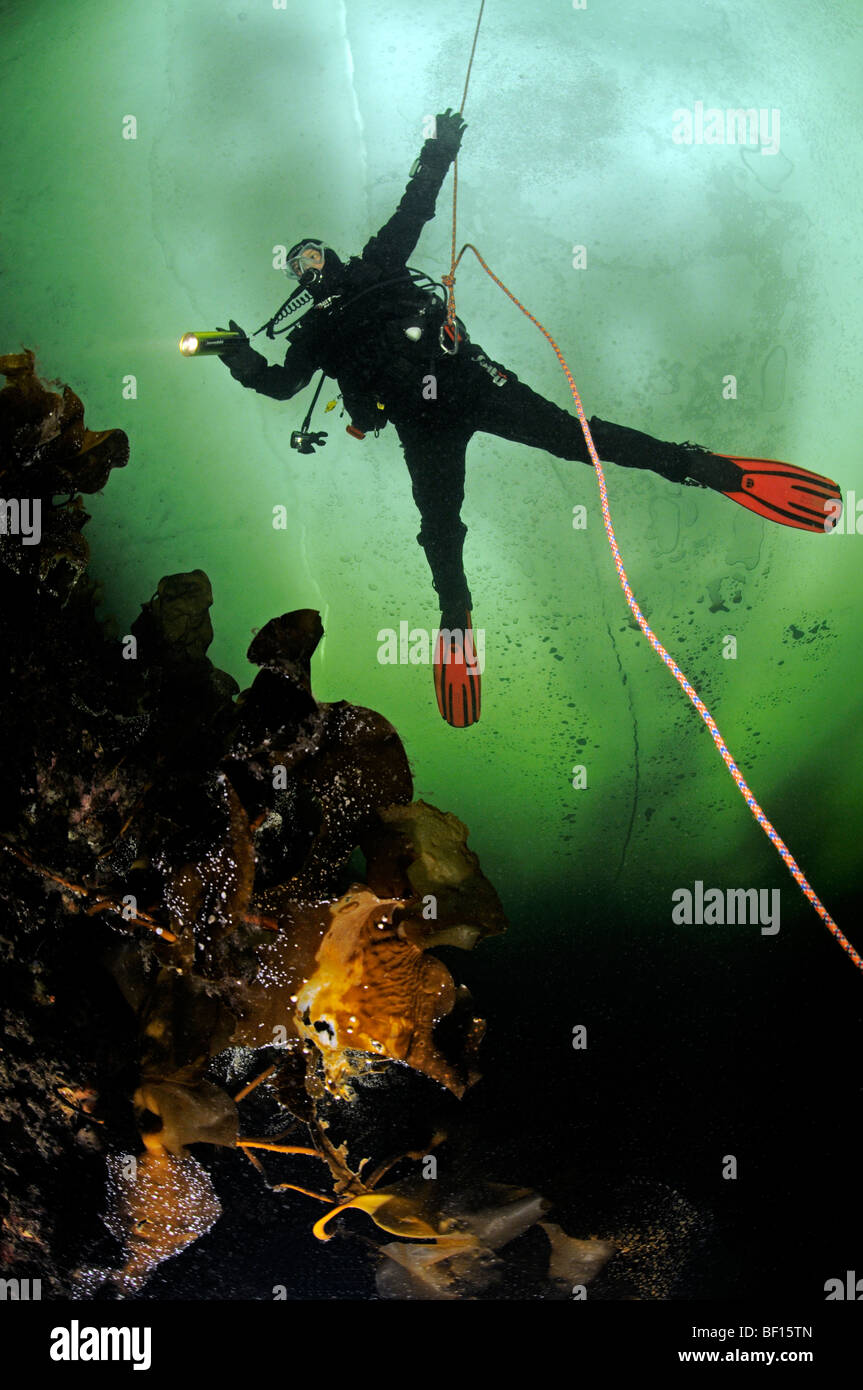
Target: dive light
207,344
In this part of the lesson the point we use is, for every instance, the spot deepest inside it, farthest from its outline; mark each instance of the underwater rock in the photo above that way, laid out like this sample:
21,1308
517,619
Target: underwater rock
158,1205
177,855
209,898
287,644
43,433
324,768
45,450
174,632
176,621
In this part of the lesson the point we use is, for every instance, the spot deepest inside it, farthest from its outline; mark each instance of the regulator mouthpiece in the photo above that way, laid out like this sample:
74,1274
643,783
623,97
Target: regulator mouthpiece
208,344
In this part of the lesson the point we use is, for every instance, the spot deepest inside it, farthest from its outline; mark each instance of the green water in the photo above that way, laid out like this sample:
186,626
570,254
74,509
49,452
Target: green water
253,129
256,126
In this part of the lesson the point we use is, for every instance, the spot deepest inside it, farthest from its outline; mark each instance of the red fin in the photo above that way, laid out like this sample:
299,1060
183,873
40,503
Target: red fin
785,493
457,676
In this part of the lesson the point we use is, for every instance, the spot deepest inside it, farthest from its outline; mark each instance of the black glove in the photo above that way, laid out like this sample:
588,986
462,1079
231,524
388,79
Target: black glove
450,128
235,350
308,441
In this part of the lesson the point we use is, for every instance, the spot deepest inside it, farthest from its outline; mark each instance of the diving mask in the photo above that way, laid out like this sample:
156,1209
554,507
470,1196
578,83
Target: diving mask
306,256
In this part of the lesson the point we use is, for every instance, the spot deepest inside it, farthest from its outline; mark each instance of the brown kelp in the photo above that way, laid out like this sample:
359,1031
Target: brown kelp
221,912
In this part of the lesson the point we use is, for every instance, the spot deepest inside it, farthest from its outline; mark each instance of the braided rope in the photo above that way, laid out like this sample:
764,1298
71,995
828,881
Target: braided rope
769,830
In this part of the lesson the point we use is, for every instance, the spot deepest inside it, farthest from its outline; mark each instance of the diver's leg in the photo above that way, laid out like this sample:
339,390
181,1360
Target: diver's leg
513,411
436,463
435,460
778,491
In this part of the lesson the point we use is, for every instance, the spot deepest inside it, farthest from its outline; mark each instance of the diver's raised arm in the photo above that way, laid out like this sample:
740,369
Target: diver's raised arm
251,368
397,238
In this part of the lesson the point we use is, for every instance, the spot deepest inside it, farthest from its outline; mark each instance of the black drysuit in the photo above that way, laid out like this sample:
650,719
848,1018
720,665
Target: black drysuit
356,333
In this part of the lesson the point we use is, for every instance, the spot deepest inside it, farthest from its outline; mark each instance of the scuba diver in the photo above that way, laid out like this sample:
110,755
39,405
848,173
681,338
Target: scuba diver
379,328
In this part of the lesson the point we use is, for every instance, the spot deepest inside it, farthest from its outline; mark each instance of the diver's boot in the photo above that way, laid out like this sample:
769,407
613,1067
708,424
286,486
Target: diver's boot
778,491
456,671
